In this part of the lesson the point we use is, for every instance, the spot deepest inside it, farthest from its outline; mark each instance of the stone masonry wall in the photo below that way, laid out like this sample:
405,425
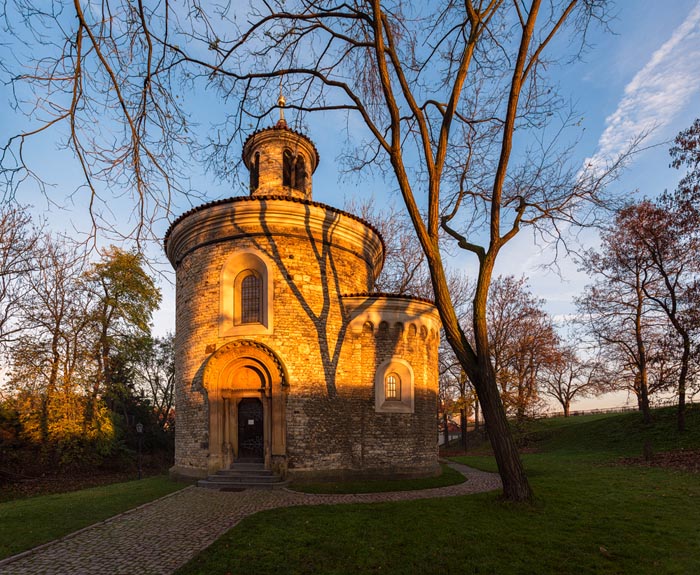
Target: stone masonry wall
346,434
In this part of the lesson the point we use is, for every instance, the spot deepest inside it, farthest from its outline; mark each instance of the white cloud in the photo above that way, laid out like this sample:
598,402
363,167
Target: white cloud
658,92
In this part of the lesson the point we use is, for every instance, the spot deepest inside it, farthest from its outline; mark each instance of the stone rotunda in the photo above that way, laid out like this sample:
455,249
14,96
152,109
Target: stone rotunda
282,354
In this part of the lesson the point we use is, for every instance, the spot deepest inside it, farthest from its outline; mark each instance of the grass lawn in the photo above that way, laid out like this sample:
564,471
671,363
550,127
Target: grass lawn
25,523
448,477
592,515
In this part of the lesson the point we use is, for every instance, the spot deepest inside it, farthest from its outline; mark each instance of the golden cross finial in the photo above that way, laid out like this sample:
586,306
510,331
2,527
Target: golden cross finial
281,102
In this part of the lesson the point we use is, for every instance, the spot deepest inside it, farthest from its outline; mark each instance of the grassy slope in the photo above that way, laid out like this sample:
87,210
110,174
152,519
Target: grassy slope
592,515
25,523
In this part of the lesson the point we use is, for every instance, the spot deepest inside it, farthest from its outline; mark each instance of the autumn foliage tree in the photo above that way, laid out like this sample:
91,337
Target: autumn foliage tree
51,363
685,153
124,299
56,381
650,266
524,343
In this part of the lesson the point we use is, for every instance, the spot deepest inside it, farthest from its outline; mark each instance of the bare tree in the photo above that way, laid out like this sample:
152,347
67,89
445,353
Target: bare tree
667,234
95,77
405,271
17,241
440,90
456,393
155,374
568,378
618,313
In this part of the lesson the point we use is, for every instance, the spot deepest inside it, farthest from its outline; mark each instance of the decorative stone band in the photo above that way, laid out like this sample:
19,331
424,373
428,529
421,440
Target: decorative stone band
270,217
377,308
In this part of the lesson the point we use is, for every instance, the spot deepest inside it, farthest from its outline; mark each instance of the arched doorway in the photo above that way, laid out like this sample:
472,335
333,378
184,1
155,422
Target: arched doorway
246,389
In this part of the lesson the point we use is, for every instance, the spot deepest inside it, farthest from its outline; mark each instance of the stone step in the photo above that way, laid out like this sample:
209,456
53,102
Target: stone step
245,478
233,486
236,472
249,473
247,466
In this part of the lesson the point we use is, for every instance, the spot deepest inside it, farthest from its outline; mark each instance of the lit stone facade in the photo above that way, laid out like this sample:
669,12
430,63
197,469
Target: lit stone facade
281,352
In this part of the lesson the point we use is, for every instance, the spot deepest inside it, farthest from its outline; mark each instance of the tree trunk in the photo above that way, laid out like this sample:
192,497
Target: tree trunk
50,390
476,414
104,380
515,484
682,381
463,427
567,408
445,428
510,467
681,409
642,358
644,395
520,402
476,362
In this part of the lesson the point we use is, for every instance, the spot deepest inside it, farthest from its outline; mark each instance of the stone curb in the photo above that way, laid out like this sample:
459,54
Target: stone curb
428,490
33,550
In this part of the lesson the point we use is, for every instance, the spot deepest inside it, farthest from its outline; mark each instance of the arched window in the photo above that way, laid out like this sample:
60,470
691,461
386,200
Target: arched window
392,387
245,294
251,298
293,171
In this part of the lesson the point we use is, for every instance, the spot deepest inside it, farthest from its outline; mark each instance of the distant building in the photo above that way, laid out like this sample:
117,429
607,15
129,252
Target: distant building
282,355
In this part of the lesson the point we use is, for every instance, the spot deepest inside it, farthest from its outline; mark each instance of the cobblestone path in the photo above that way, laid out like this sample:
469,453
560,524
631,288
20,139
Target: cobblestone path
160,536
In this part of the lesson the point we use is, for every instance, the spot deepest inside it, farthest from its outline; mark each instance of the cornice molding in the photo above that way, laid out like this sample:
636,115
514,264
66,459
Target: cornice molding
273,217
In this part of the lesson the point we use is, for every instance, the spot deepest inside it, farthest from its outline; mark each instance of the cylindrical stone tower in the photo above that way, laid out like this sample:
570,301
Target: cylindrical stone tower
281,353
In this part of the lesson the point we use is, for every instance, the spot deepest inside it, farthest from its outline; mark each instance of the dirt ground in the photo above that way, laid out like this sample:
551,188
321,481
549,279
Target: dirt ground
683,460
26,474
17,487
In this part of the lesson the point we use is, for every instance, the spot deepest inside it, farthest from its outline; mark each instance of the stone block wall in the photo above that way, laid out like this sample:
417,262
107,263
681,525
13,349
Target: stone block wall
346,435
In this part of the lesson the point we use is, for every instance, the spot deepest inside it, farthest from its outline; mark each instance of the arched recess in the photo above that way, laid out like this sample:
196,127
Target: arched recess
239,265
238,370
402,373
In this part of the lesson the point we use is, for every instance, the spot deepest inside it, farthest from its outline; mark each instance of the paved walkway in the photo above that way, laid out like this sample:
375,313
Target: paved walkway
160,536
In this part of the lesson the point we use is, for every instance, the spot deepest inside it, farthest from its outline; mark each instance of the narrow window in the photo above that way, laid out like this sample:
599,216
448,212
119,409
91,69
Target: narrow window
287,168
300,174
255,173
250,299
392,389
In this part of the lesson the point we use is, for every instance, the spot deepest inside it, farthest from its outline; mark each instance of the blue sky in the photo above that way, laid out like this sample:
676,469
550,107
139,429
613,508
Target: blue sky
643,76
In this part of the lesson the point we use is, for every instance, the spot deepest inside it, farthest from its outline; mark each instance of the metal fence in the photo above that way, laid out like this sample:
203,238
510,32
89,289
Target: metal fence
673,402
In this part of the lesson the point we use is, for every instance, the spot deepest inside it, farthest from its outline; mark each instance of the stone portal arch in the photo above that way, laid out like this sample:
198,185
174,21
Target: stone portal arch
245,370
